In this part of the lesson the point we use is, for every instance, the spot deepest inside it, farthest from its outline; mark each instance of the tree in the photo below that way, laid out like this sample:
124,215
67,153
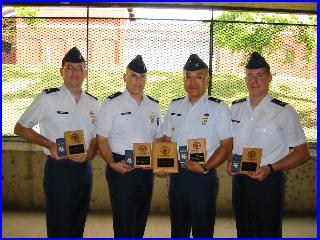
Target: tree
262,32
31,15
9,25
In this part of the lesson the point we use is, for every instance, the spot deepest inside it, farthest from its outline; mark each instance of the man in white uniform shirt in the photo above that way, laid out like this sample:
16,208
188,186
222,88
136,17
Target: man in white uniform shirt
125,118
193,191
67,182
261,121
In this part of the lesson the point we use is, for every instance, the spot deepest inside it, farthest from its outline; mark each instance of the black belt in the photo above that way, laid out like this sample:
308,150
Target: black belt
118,157
68,161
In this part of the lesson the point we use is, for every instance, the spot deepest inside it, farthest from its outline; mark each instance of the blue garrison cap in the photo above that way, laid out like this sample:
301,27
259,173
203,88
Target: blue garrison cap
74,56
194,63
257,61
137,65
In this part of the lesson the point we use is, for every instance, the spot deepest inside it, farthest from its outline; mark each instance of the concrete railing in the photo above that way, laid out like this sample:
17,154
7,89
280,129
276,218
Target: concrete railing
22,175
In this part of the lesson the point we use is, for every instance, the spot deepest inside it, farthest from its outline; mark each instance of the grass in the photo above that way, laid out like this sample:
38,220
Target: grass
21,83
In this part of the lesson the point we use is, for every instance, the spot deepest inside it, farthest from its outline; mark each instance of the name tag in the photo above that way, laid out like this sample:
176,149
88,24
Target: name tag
62,112
126,113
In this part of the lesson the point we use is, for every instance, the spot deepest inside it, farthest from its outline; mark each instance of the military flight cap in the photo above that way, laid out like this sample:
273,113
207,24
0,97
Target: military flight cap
257,61
74,56
194,63
137,65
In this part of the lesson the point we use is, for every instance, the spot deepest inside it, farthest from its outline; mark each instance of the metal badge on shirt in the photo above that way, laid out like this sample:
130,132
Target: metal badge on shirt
205,119
153,118
93,117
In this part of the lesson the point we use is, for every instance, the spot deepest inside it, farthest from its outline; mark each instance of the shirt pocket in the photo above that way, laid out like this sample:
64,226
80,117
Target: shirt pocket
123,123
269,133
206,128
235,126
176,121
62,116
63,121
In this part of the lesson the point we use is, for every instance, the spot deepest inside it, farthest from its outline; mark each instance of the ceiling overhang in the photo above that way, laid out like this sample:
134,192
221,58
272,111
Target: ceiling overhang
283,7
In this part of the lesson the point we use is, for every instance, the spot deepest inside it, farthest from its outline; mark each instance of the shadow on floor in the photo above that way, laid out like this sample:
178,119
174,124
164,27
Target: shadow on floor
31,224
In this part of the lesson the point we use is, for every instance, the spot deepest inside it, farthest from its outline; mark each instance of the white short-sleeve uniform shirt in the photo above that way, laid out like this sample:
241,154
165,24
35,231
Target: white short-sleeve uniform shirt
124,122
273,126
56,111
208,118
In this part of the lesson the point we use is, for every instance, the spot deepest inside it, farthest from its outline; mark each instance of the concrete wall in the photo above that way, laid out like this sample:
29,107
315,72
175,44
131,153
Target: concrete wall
22,173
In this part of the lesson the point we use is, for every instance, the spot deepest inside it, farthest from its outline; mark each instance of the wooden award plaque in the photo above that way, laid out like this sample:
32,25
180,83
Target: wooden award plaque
74,141
250,160
197,150
142,155
165,157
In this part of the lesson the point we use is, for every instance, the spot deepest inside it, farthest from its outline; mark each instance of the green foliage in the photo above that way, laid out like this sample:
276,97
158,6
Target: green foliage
308,38
21,83
31,14
228,86
245,37
26,12
9,33
289,56
263,34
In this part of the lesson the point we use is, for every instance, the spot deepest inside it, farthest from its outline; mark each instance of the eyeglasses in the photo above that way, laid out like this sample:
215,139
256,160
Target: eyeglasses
70,68
258,77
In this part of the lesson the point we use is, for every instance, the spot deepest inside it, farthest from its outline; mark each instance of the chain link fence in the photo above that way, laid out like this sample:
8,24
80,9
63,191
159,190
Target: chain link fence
32,50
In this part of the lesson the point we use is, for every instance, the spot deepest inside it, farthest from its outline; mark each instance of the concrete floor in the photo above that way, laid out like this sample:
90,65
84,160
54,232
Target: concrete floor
99,225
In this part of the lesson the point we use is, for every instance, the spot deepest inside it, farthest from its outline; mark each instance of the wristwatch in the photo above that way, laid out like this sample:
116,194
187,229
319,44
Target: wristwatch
205,169
271,169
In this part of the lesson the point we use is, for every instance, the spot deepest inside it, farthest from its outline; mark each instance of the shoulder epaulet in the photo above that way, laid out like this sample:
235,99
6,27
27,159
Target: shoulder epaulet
278,102
51,90
214,99
177,99
153,99
115,95
91,96
239,101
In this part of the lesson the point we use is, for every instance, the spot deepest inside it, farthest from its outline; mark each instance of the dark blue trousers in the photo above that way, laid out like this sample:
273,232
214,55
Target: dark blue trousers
130,196
192,202
258,206
67,186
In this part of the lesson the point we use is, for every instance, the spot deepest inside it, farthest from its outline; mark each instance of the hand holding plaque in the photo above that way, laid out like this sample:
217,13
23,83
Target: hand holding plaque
197,150
250,160
74,142
165,157
142,155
